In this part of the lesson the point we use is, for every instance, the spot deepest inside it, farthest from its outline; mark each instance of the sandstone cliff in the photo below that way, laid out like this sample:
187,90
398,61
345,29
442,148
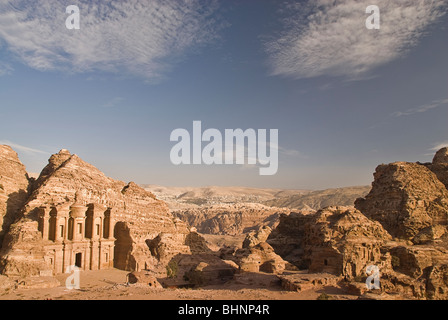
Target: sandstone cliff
399,227
139,217
231,219
336,240
13,188
405,198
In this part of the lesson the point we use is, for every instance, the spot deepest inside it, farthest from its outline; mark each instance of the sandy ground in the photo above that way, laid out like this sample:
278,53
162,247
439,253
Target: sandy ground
111,285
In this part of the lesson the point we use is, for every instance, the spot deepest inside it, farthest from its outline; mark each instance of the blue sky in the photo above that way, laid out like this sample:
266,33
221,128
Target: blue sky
344,98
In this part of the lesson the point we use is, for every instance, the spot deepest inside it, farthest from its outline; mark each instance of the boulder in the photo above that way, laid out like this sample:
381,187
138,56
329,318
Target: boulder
255,237
259,258
144,278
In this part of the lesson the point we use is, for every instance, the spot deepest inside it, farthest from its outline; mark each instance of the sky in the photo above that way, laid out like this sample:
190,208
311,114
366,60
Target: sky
344,98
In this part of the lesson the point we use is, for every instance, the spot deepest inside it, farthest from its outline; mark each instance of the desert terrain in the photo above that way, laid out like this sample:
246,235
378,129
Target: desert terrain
130,242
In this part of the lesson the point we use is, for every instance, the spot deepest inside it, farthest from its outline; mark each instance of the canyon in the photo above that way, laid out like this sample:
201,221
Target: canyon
265,242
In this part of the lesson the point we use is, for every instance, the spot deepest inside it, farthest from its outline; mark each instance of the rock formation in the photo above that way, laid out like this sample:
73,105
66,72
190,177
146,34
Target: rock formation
231,219
256,255
116,220
14,185
406,198
439,166
399,227
336,240
143,278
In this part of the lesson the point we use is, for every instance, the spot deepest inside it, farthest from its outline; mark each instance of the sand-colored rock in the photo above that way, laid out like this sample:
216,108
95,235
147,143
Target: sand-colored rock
255,237
304,281
231,219
414,261
214,271
68,188
336,240
287,238
144,278
259,258
7,283
14,185
437,286
405,198
439,166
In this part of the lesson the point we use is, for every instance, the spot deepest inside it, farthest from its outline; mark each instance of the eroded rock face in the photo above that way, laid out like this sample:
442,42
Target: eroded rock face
439,166
13,187
23,251
341,240
68,181
143,278
437,286
287,239
231,219
336,240
405,198
260,258
255,237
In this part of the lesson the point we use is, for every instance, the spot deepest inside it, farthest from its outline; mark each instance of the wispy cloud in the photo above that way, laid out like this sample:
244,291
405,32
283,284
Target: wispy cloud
133,37
18,147
439,145
421,109
323,37
113,102
5,69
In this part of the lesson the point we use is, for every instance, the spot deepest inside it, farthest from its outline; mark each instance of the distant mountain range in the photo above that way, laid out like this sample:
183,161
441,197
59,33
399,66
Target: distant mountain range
179,198
236,210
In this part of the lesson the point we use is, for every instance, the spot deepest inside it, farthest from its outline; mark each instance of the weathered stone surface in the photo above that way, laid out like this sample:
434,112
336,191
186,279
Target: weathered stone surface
259,258
38,283
414,261
439,165
255,237
214,271
301,281
6,283
198,270
430,235
441,156
231,219
437,286
287,238
336,240
23,251
405,198
144,278
67,180
13,188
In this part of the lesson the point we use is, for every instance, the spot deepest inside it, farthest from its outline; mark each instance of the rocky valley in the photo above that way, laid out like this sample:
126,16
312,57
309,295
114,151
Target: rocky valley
154,242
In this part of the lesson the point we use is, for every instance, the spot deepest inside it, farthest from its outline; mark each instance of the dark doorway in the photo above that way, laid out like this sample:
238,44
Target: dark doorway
123,259
78,259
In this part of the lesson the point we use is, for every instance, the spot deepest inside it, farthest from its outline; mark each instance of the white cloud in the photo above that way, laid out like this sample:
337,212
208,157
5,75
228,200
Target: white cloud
113,102
439,145
18,147
132,37
5,69
421,109
326,37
